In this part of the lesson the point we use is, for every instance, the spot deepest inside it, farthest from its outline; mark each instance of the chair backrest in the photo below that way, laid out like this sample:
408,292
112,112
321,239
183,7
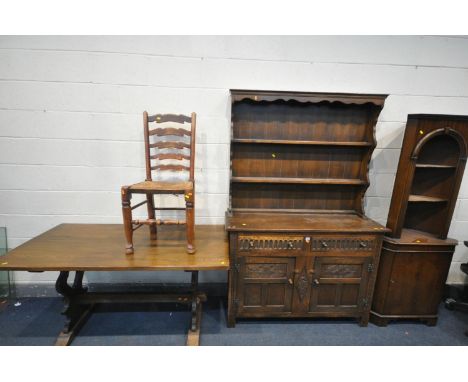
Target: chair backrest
156,152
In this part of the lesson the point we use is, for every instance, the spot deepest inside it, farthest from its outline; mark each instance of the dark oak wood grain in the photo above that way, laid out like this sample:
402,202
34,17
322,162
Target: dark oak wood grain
312,222
430,170
298,241
344,98
416,255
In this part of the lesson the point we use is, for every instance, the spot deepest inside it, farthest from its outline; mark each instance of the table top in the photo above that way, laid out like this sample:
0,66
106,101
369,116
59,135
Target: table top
298,222
101,247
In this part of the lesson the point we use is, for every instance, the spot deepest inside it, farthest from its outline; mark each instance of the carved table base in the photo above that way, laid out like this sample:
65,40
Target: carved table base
79,304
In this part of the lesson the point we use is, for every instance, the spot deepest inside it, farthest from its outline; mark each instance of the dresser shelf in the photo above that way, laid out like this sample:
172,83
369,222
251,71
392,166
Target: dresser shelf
318,181
302,142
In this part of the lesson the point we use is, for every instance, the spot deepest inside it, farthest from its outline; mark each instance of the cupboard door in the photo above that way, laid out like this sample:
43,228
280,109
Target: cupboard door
265,284
339,284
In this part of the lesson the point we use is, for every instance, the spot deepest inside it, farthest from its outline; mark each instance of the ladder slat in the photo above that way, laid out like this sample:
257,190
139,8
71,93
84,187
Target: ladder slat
170,156
169,145
178,118
169,131
170,167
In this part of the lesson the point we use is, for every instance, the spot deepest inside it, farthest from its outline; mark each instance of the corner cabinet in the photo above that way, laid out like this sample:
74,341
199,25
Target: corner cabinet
299,243
416,253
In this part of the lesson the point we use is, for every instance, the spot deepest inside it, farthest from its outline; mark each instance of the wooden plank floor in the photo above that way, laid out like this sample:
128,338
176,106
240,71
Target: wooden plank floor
101,247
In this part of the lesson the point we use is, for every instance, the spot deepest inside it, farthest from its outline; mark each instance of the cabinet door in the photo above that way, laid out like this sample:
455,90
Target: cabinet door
339,284
265,284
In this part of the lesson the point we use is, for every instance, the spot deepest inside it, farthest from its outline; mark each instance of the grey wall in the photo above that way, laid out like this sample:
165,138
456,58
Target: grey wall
70,116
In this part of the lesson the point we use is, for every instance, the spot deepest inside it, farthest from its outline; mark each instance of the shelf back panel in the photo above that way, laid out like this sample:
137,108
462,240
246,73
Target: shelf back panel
435,182
302,162
426,217
300,121
441,150
292,196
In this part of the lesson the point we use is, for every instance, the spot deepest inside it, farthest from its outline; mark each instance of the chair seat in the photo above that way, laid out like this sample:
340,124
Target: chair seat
162,186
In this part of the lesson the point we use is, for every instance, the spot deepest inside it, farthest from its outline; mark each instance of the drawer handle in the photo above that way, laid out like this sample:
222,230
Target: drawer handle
362,244
324,244
316,282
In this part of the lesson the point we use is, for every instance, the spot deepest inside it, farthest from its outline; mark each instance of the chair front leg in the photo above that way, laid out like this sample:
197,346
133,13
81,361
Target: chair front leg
190,220
127,219
151,215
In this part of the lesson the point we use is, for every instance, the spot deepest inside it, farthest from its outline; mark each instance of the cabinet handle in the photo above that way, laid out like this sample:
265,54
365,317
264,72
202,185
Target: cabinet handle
290,244
316,282
324,244
290,281
362,244
251,244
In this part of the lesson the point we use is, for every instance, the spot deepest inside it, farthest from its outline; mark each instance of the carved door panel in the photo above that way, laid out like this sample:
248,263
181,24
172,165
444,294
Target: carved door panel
265,284
338,284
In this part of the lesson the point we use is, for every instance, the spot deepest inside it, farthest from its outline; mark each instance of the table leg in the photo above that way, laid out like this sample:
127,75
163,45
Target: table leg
76,315
193,336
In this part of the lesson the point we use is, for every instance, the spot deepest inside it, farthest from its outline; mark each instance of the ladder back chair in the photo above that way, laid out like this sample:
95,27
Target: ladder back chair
157,153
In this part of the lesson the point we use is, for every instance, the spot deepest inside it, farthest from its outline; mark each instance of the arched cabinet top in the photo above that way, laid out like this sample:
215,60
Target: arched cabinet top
442,131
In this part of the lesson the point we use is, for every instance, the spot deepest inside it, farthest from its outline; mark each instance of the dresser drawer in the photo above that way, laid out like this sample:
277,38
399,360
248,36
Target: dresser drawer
344,243
292,244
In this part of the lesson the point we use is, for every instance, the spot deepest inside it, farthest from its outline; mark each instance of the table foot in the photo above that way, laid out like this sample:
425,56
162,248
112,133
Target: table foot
76,314
73,324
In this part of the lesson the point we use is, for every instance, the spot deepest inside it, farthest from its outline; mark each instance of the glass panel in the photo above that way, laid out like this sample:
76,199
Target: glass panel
4,276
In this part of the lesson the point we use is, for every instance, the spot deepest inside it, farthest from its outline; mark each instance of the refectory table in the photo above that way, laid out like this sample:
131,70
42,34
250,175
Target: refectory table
101,247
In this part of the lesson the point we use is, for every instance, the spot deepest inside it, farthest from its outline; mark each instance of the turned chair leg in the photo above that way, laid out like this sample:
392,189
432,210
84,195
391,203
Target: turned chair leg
127,220
151,215
190,221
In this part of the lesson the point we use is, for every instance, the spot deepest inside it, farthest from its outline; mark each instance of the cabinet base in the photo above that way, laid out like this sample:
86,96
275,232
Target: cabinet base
383,320
362,321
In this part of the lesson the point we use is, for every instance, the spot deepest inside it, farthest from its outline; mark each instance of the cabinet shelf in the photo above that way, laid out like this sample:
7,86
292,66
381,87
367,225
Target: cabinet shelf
301,142
441,166
318,181
426,199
